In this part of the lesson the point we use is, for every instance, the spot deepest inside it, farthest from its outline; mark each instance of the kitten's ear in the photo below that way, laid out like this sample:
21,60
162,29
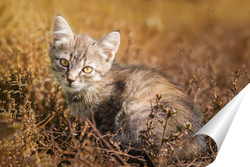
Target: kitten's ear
61,32
109,44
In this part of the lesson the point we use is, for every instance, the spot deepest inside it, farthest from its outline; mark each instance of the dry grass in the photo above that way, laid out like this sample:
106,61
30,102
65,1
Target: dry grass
202,45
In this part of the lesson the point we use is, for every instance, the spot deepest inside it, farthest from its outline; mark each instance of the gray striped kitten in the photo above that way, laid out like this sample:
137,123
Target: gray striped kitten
118,97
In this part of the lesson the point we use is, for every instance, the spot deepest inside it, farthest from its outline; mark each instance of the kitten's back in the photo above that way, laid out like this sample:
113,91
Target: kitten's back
140,86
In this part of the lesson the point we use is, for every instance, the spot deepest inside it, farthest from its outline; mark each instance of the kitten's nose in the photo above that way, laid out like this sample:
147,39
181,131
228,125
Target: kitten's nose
70,81
71,78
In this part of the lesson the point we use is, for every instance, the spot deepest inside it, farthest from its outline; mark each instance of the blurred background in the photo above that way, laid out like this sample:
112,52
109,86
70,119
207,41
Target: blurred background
199,44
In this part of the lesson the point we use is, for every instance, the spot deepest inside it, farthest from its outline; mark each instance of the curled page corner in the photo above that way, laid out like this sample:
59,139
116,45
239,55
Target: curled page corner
230,130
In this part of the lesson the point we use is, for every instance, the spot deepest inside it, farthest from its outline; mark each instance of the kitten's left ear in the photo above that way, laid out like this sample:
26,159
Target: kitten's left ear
109,44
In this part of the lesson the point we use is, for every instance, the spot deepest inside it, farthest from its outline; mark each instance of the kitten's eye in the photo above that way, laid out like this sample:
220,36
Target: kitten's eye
87,69
64,62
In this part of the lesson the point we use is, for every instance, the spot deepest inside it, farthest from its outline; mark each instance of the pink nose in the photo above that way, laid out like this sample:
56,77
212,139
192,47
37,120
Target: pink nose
70,81
71,77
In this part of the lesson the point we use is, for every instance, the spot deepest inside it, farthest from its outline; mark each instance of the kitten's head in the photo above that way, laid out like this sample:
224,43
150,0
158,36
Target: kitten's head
78,61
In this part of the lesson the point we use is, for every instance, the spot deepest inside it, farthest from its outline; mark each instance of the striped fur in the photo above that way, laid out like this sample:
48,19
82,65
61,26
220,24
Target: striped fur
118,96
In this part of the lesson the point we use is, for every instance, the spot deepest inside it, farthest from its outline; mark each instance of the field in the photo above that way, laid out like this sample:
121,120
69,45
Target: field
203,46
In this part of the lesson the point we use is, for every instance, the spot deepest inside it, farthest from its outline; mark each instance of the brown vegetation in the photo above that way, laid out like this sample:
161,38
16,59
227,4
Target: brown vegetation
202,45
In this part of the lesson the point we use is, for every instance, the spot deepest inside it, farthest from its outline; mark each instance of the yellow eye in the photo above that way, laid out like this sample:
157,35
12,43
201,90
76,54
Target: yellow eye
87,69
64,62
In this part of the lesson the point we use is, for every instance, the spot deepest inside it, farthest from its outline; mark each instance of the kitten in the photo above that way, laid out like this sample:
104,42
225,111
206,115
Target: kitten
118,97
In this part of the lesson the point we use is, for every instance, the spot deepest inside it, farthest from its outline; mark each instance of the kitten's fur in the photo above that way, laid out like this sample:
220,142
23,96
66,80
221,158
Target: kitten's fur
117,96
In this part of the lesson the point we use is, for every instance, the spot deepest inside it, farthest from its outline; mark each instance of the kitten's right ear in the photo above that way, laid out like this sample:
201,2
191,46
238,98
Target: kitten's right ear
62,33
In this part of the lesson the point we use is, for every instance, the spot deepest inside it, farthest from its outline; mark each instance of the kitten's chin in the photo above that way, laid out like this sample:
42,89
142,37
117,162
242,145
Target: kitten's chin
72,89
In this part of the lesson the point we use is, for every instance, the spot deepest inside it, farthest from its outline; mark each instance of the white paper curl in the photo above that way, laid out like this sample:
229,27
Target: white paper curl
230,128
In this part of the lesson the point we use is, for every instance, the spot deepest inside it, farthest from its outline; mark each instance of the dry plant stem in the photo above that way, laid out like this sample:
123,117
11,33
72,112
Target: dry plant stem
208,157
150,105
52,135
85,162
192,162
43,120
236,77
75,144
150,158
165,130
211,69
105,141
178,159
245,69
64,142
198,90
43,126
122,153
71,132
